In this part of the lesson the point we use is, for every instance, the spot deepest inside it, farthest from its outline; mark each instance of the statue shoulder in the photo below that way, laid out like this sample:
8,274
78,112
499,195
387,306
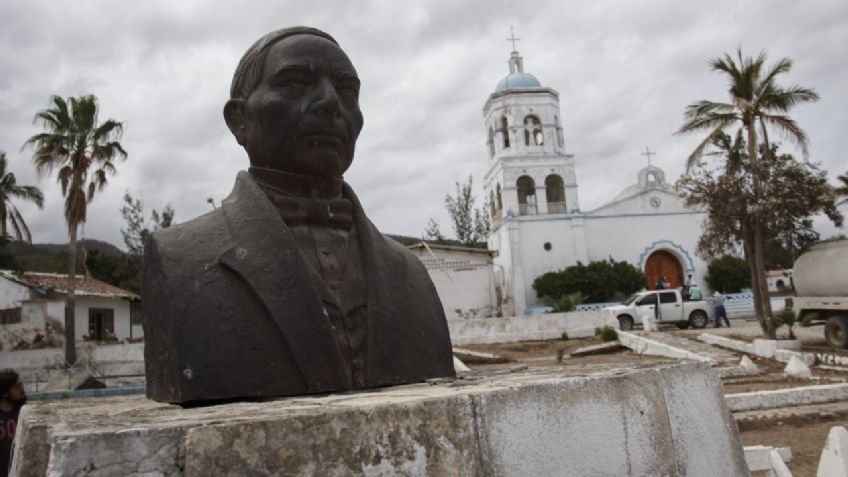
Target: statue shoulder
198,239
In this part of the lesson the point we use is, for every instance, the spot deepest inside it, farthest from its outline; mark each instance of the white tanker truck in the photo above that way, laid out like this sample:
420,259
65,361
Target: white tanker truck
820,277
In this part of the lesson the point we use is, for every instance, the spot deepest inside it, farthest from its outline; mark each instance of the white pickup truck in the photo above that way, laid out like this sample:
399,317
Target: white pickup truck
672,309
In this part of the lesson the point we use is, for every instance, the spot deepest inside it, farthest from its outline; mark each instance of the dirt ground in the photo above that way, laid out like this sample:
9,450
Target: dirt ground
806,439
544,353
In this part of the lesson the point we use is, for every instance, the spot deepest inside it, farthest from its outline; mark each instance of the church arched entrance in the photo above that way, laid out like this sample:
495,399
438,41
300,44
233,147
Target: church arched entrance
663,263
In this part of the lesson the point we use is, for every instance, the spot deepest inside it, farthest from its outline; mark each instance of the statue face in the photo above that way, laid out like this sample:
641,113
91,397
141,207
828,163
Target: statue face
304,115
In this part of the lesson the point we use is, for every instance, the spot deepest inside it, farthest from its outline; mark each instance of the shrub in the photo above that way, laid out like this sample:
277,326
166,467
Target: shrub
786,318
560,355
607,333
808,319
728,274
569,302
564,336
597,282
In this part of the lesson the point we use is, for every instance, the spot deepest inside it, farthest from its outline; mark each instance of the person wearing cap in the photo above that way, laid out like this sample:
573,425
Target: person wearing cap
12,397
720,312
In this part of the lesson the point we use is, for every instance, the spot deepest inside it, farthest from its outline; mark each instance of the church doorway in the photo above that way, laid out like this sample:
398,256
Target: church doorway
663,264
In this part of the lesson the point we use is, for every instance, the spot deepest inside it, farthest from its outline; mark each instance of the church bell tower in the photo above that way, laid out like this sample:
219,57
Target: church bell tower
530,175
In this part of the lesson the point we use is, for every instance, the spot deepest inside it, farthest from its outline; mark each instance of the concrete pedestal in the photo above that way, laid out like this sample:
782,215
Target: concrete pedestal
654,419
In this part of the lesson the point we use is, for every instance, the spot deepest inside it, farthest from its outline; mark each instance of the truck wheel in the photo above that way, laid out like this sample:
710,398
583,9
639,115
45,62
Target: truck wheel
698,319
625,323
836,331
683,325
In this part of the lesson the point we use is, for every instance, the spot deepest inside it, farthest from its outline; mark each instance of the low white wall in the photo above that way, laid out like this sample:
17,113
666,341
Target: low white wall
523,328
108,360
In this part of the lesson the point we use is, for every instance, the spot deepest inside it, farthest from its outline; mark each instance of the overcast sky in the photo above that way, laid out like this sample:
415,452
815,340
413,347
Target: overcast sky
625,71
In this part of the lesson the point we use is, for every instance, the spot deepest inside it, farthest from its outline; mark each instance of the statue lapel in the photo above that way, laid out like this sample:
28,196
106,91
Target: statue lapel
385,271
266,257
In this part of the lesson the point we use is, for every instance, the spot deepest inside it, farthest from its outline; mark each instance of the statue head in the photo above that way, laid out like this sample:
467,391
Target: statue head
294,104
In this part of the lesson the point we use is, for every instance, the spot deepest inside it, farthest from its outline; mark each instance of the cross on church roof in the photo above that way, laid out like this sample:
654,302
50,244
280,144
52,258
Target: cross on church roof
649,154
512,38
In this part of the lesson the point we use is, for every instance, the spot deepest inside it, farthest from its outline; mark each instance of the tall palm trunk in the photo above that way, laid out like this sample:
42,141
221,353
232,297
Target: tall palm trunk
70,302
762,308
748,245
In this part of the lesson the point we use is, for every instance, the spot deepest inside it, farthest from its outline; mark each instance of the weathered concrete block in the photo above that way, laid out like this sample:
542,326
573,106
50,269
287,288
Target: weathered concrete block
648,419
797,369
776,398
736,345
645,345
766,348
834,456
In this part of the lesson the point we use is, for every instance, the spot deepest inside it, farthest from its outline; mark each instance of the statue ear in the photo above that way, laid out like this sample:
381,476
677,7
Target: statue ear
234,116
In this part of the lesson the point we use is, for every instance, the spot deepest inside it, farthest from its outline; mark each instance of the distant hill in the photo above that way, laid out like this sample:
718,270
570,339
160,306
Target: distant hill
52,257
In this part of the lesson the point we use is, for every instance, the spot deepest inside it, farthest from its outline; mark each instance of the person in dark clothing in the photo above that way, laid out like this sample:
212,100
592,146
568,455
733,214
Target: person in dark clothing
720,311
12,397
661,284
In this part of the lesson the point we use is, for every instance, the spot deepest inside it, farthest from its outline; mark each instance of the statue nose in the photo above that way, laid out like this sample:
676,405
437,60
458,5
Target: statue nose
326,101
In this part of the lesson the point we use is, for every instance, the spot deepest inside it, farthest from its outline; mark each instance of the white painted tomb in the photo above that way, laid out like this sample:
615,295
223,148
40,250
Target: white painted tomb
656,419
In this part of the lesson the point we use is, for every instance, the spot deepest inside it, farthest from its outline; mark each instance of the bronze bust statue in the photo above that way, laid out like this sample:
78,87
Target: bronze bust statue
288,288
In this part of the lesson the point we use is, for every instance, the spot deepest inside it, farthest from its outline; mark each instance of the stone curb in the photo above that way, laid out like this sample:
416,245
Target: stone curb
642,345
782,355
736,345
787,397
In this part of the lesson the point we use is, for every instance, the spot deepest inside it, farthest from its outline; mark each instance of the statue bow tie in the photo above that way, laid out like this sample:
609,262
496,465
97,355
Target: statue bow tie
336,213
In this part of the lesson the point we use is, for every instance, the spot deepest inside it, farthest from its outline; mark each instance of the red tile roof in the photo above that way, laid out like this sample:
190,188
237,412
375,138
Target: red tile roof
58,282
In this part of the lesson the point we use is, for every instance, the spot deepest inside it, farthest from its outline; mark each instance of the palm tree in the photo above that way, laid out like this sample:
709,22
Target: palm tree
83,151
757,103
842,189
8,212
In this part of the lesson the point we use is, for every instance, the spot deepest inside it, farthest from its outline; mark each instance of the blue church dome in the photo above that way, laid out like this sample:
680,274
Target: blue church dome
517,80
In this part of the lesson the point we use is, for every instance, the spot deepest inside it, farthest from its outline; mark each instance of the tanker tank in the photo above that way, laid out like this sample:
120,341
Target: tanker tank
823,270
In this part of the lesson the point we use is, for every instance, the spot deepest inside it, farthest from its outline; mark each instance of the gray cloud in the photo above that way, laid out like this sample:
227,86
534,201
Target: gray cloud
624,71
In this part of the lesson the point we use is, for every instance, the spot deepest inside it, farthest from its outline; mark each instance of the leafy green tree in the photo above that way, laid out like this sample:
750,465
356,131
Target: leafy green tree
728,274
470,224
83,150
597,282
7,258
135,235
137,231
757,102
9,214
432,231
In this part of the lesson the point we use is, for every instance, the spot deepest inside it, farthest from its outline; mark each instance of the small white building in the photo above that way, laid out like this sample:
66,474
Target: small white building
532,195
465,279
31,300
779,280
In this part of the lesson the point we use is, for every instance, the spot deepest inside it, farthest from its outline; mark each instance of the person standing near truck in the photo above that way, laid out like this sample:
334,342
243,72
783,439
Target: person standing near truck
695,293
720,311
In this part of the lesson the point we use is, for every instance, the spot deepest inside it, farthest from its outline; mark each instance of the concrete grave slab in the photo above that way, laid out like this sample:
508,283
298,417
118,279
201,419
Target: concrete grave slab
602,348
600,420
834,456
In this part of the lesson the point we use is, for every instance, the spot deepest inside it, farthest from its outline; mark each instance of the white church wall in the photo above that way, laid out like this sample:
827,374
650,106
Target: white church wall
634,237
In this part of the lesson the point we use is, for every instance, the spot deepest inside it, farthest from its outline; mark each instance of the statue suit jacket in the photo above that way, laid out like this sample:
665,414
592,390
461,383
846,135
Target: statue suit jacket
230,311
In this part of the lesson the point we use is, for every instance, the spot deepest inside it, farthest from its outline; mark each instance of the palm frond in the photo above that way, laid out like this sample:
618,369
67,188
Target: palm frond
20,226
788,128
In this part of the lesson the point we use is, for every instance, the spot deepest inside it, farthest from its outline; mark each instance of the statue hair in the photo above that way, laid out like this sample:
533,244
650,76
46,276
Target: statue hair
249,70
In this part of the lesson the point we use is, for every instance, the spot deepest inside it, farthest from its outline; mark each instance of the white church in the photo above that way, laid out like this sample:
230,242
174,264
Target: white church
531,189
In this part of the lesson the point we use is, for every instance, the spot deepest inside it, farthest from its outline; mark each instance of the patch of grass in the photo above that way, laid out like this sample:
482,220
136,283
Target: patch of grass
607,333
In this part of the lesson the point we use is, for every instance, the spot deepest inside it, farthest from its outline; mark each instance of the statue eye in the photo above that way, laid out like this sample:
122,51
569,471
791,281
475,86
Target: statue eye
294,81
